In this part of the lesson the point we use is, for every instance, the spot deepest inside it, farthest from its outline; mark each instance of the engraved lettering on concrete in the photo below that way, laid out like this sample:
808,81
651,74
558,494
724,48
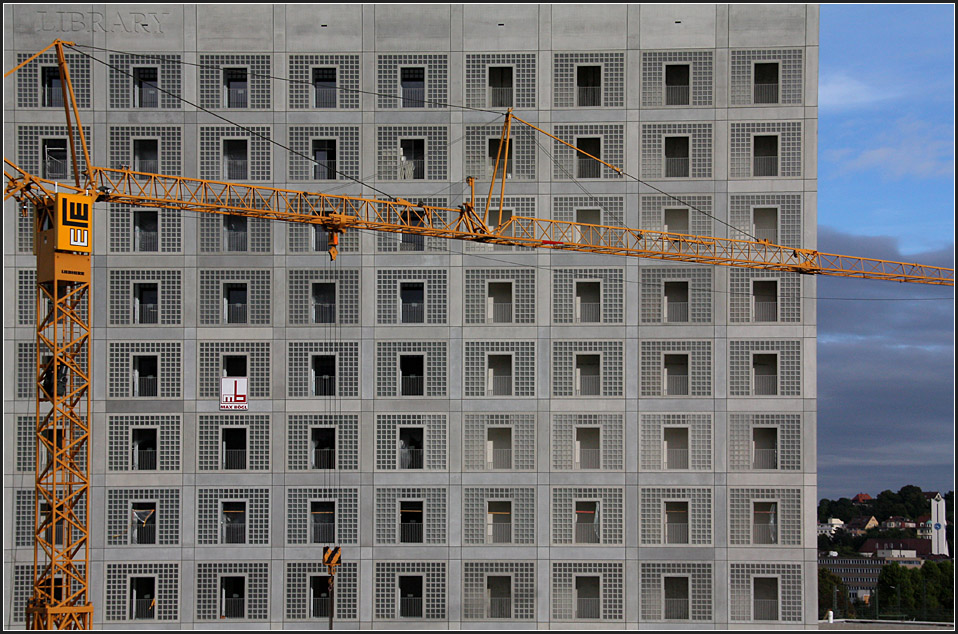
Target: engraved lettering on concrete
98,22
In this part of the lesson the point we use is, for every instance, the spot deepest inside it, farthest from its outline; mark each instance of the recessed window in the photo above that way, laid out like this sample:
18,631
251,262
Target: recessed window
676,522
499,375
677,86
676,447
320,601
588,302
142,598
232,592
764,300
51,87
765,224
146,93
766,87
500,86
676,374
146,155
765,599
324,87
146,303
677,157
324,159
765,374
587,597
411,447
504,157
322,522
765,523
323,369
412,300
143,448
499,447
765,155
233,448
499,522
146,225
324,302
412,374
588,448
412,159
55,165
588,376
412,84
145,379
235,159
411,521
676,221
233,522
499,591
235,233
765,448
322,446
586,166
588,83
235,303
143,523
235,88
676,598
586,523
410,596
676,302
499,303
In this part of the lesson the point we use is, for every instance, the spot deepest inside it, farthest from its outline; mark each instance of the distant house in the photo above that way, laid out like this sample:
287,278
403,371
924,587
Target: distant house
830,526
861,525
924,526
907,552
862,498
898,522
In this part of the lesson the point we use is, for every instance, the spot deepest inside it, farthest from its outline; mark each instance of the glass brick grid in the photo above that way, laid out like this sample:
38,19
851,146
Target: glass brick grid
524,206
208,588
653,148
653,292
609,513
564,77
169,370
653,362
523,293
652,432
169,142
169,285
297,589
168,439
209,514
27,297
387,366
302,239
299,372
392,242
26,370
611,367
652,580
436,150
790,602
258,295
789,147
653,213
258,151
212,87
523,366
22,590
522,599
522,153
611,208
298,513
524,78
26,460
387,575
563,293
209,434
475,513
30,147
437,79
29,79
169,79
653,76
652,513
433,510
211,366
120,521
167,588
388,283
434,438
300,294
740,294
610,438
612,149
790,75
301,165
789,439
789,366
26,225
25,507
788,518
121,229
301,85
475,435
347,439
789,216
611,584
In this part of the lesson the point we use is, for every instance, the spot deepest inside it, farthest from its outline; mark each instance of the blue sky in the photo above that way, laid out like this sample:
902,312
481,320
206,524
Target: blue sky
886,189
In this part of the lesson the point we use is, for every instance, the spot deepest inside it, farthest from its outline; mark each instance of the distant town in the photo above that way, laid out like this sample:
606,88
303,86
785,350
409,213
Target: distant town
887,557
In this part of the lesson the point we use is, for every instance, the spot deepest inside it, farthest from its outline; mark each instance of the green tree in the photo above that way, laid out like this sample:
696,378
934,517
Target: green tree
833,595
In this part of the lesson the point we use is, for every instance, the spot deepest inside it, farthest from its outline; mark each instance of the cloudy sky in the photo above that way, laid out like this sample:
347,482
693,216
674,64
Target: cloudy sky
886,190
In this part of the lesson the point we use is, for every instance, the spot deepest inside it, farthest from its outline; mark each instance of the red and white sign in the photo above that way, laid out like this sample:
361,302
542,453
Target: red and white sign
234,393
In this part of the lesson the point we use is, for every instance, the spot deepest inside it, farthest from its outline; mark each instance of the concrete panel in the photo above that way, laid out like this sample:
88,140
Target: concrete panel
401,27
677,26
577,27
760,24
489,27
222,28
317,28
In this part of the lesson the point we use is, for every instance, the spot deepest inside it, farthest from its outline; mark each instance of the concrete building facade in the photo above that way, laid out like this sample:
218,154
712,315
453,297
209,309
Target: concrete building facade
491,433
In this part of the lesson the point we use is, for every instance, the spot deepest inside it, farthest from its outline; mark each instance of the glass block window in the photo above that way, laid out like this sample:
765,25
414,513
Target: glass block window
652,513
653,595
611,209
301,300
482,143
258,72
653,430
298,509
567,605
26,297
208,592
689,214
169,143
26,370
655,310
433,511
611,440
122,237
297,589
388,355
122,524
436,151
258,152
788,434
22,590
121,430
410,243
608,514
169,368
524,78
30,140
346,428
345,166
30,89
788,308
386,587
210,445
169,285
211,366
564,78
169,79
789,158
258,283
699,89
522,430
789,366
521,601
166,606
347,79
388,73
741,578
571,165
434,437
612,299
654,154
299,370
786,517
523,303
209,510
512,206
26,443
24,502
653,361
523,366
789,221
389,305
306,238
26,225
565,359
475,513
742,75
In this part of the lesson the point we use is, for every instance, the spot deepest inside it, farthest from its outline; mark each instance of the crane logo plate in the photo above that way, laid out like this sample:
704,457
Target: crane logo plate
74,218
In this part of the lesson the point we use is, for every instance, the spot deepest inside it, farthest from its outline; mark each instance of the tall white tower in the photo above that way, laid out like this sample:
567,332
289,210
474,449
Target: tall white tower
939,545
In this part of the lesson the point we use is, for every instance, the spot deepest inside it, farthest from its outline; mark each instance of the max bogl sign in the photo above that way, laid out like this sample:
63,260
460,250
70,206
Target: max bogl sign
234,393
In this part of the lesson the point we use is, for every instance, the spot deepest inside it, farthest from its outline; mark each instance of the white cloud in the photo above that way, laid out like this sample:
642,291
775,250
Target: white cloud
903,149
840,91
